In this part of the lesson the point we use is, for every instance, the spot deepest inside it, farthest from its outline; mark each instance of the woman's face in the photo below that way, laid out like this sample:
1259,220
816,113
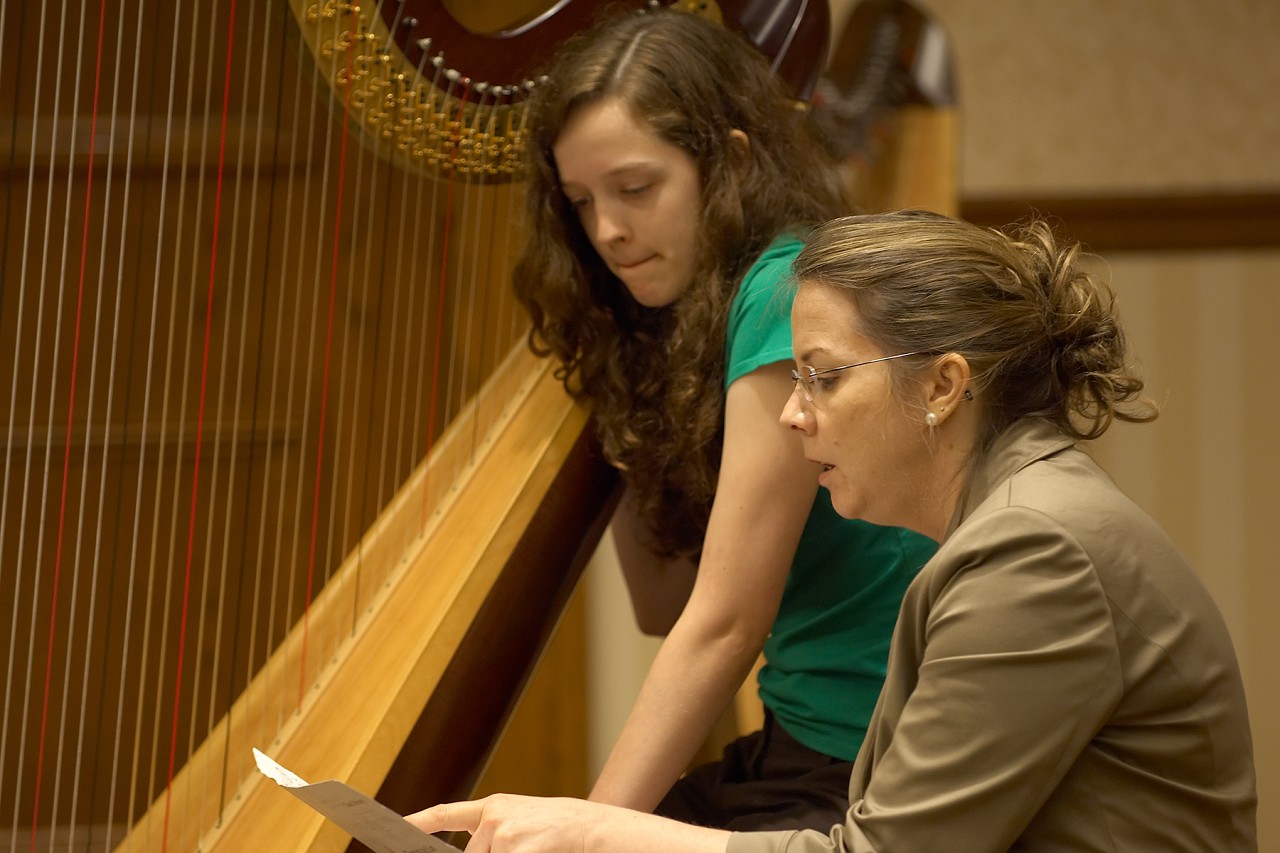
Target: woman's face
871,447
637,196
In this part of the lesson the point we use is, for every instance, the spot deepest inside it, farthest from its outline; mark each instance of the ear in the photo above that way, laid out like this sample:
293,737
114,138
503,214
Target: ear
945,385
740,151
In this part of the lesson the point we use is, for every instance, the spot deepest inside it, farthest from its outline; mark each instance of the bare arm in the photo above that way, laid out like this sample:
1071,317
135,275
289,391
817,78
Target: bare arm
763,498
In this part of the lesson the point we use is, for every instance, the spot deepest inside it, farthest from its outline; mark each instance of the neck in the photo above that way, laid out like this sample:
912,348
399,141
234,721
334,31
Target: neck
952,452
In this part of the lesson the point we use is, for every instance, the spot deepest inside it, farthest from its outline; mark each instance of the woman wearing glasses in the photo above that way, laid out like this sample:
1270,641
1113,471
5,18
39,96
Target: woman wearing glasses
670,178
1059,677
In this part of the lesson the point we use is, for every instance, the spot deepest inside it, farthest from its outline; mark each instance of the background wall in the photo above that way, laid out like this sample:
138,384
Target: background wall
1160,115
1111,97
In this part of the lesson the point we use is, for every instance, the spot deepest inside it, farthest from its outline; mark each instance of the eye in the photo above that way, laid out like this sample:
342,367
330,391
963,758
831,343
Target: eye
637,189
578,202
826,381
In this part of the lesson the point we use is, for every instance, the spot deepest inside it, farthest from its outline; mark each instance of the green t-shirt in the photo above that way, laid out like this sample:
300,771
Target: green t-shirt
825,657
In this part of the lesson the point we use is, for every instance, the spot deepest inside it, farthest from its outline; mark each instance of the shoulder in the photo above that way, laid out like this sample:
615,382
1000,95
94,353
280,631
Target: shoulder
1059,535
765,294
772,268
1059,502
1069,494
759,327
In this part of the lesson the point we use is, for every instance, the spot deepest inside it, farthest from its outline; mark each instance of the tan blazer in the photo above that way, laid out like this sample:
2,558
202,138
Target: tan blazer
1059,680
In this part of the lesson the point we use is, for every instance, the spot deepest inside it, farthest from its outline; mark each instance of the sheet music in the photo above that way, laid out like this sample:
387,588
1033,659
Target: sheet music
375,825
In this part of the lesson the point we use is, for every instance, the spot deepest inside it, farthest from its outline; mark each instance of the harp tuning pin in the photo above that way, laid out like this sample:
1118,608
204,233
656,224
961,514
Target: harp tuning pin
409,23
424,45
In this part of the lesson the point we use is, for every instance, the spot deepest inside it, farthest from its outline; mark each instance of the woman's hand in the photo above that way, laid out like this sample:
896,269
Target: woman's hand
505,823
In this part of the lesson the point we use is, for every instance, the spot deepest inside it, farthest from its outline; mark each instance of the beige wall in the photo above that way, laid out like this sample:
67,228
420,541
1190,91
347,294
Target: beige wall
618,655
1102,98
1113,96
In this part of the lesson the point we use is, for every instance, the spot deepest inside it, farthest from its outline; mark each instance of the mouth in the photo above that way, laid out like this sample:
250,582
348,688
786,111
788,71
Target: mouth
825,466
627,265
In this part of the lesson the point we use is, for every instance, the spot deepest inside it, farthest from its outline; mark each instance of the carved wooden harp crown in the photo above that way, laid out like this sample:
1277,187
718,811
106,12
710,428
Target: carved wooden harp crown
431,93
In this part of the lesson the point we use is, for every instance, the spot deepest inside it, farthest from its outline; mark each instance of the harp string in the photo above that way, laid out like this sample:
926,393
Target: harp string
29,446
131,641
242,353
158,752
370,196
213,418
470,232
334,263
376,196
16,581
317,115
278,605
65,470
401,377
112,546
91,609
200,415
433,396
424,274
391,259
257,600
506,296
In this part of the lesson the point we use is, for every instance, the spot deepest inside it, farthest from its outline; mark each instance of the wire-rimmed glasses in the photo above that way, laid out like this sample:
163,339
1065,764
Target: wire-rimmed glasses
807,377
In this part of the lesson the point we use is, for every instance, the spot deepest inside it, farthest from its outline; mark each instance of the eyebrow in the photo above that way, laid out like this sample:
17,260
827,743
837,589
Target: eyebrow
807,355
622,170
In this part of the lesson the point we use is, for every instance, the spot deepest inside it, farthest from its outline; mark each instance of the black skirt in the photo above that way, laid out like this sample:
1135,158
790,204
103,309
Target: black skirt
764,780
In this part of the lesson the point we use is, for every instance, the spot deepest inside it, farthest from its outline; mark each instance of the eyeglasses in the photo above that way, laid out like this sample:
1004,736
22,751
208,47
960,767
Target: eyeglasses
807,377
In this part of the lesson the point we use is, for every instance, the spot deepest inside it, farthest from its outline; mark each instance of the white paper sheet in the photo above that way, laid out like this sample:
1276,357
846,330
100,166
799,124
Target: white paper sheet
375,825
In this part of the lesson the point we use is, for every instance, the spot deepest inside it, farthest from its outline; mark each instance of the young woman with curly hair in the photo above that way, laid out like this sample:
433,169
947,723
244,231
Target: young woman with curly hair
672,181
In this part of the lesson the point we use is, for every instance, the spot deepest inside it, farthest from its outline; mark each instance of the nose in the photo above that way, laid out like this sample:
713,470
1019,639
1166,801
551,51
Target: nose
794,414
610,225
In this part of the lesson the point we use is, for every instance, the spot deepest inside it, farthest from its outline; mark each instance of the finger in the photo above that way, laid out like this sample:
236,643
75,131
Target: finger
448,817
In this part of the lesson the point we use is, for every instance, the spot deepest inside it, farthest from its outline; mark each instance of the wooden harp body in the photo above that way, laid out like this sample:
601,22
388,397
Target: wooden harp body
278,470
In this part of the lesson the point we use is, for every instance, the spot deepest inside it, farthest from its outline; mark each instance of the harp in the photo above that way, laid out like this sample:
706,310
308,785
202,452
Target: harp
889,96
278,469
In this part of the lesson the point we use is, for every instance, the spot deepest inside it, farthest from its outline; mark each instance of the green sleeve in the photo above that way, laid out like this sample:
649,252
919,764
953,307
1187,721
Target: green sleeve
759,330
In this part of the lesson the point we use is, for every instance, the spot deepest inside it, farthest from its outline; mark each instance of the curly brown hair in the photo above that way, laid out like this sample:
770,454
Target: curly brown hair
654,375
1039,330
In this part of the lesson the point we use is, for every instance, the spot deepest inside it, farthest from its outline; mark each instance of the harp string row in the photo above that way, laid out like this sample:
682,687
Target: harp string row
182,484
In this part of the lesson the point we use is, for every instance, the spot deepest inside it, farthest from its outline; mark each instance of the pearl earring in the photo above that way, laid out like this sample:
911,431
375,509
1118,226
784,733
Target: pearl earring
931,419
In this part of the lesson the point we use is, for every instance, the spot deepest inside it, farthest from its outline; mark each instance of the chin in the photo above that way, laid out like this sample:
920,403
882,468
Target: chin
846,507
650,297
